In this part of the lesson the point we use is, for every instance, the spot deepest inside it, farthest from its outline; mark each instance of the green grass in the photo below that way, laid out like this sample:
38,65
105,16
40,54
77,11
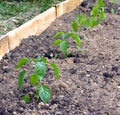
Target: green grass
9,9
18,8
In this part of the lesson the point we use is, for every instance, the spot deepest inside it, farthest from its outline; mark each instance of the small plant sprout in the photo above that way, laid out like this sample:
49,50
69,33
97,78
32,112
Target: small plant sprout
65,39
112,9
39,71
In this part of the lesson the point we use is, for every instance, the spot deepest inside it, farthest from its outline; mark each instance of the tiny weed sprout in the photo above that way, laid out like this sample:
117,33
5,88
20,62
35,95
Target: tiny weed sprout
97,15
40,67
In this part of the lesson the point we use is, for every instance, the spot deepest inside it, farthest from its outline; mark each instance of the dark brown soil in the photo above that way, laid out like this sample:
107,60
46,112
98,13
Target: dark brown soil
89,82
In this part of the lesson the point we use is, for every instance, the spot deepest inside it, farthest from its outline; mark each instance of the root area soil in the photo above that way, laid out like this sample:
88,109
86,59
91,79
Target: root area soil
90,80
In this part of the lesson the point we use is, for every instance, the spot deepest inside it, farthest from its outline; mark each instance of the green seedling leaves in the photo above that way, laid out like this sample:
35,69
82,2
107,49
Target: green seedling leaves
56,70
112,11
22,62
93,22
44,93
58,34
76,38
44,60
74,26
64,36
100,3
102,15
63,47
94,12
26,98
83,21
57,42
114,1
80,19
21,79
34,79
40,69
86,21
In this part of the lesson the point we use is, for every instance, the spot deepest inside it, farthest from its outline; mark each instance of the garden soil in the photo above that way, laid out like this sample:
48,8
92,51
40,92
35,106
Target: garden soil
89,81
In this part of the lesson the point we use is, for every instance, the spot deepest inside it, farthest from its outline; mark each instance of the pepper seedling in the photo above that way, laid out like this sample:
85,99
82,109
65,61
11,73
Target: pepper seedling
40,67
65,39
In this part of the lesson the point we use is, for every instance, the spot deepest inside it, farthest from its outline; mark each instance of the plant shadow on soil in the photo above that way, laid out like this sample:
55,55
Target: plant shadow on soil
90,80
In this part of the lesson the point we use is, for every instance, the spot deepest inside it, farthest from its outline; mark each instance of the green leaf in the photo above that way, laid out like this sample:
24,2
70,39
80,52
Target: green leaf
58,34
100,3
86,21
102,15
44,59
64,36
21,79
56,70
34,79
94,11
81,19
114,1
44,93
26,98
40,69
57,42
74,26
22,62
63,47
112,11
76,38
93,22
39,58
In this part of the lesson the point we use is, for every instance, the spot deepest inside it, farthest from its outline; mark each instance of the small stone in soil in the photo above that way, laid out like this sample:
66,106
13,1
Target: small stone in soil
14,113
22,102
59,113
4,78
73,71
12,93
20,109
87,75
53,107
41,104
69,61
107,76
115,68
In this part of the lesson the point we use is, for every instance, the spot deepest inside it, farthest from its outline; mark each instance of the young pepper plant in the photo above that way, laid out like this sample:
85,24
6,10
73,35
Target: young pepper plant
64,41
36,77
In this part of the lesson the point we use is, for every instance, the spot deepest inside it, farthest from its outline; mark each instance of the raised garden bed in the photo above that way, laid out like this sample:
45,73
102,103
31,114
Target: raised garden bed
90,80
